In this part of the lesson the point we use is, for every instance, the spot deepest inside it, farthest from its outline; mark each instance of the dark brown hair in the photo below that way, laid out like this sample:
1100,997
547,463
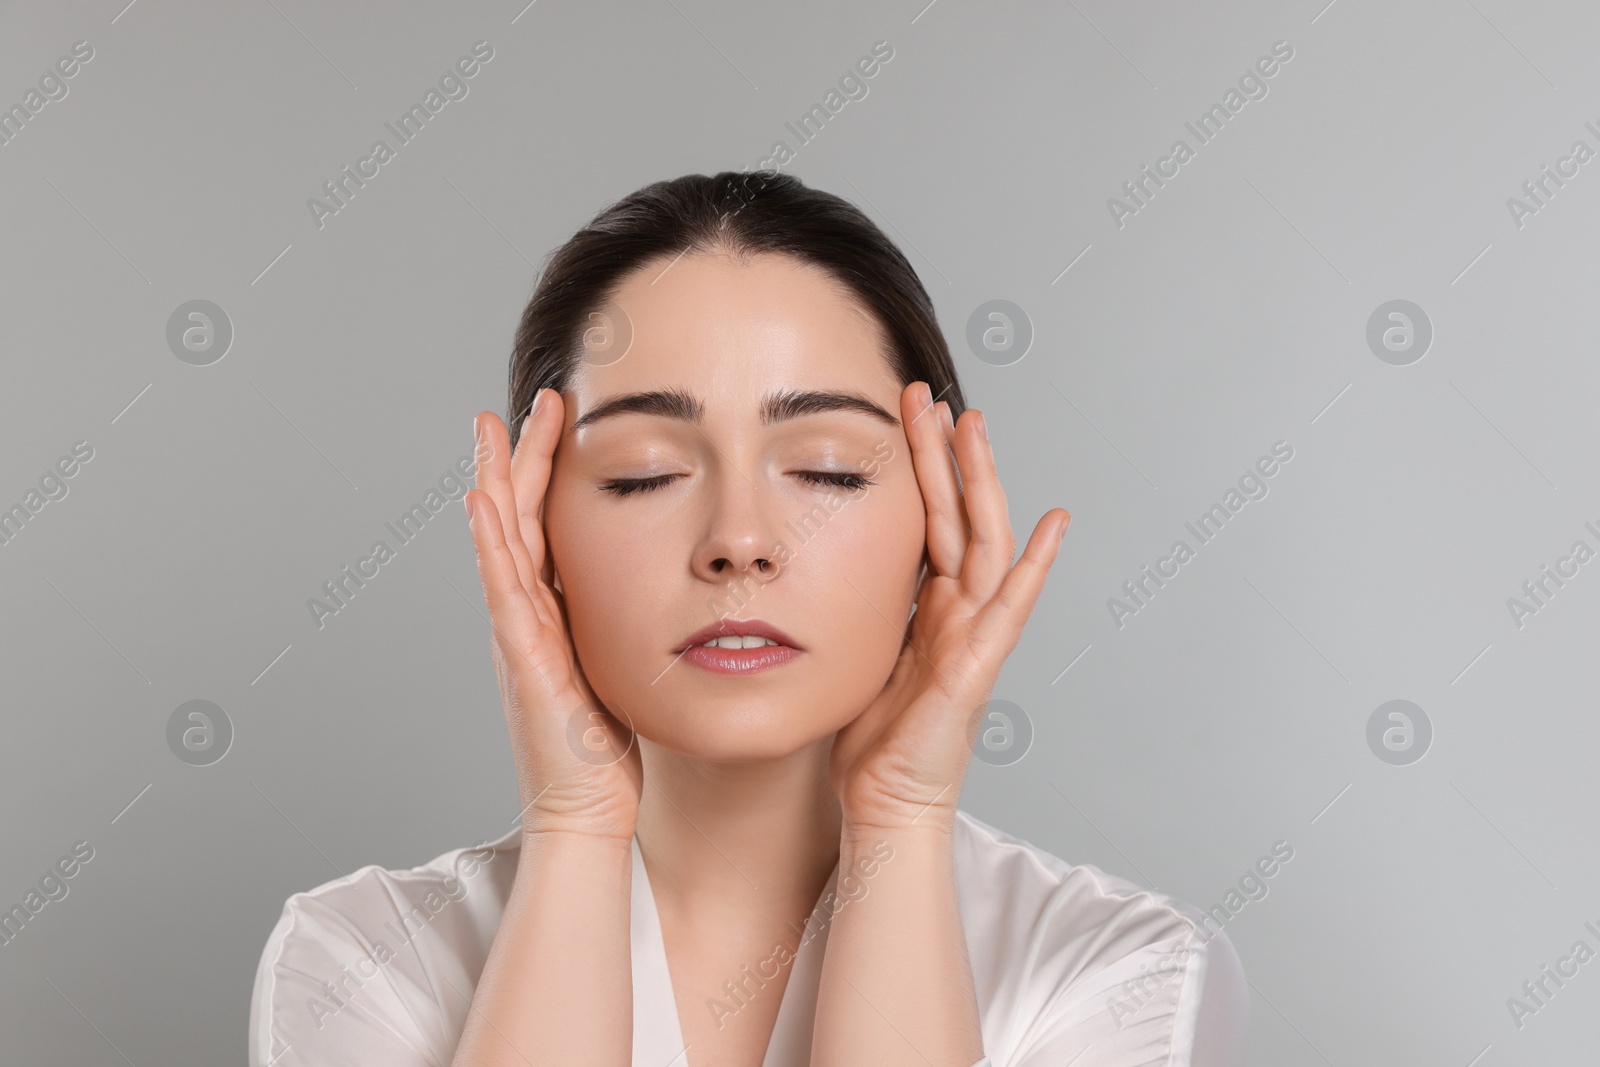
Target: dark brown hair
738,213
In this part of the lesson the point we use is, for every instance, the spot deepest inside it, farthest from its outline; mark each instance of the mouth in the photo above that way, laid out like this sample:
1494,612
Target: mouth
739,646
735,634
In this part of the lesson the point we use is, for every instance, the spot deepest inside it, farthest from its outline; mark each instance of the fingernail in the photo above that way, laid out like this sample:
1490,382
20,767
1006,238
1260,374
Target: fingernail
949,419
477,428
538,397
983,426
468,502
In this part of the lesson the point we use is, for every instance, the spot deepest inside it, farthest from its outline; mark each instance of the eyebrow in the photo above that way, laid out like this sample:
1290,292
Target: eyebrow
775,406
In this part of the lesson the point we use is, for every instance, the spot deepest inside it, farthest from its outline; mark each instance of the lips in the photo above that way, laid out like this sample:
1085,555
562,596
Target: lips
740,628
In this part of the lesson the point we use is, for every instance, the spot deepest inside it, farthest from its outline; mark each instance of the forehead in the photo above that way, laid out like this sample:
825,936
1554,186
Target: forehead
731,331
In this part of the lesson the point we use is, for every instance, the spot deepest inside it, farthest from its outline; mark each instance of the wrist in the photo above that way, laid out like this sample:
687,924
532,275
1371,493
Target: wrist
547,838
892,816
857,834
607,822
912,806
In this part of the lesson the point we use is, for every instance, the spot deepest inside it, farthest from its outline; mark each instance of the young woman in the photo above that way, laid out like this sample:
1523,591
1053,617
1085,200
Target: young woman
751,581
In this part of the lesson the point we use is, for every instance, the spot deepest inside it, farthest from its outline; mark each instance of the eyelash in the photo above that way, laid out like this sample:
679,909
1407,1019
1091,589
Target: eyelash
837,479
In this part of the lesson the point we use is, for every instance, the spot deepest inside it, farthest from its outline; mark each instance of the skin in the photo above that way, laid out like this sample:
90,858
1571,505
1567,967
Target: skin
743,791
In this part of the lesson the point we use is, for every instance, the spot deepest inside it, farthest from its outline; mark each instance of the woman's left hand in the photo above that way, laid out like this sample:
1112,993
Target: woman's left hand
902,761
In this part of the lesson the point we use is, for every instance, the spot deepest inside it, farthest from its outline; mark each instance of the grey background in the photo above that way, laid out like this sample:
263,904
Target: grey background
1228,314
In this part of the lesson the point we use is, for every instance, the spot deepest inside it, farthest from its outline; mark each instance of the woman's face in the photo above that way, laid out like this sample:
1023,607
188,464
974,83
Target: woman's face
643,571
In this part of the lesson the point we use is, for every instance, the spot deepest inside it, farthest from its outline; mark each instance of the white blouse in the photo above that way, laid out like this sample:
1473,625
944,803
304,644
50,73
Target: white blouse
1070,964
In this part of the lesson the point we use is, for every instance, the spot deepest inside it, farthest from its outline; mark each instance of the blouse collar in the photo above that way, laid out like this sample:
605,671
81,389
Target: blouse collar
657,1037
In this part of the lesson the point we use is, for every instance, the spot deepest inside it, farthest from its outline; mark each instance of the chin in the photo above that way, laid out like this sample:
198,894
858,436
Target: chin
739,733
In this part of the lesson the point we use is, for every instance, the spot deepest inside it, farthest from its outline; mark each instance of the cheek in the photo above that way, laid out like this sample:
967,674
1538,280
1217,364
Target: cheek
876,543
604,568
860,575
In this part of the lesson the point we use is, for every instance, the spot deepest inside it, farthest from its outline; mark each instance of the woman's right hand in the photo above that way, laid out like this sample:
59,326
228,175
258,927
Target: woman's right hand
578,767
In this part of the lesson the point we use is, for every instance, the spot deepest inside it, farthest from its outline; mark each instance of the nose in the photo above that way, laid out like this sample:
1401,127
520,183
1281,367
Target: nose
741,533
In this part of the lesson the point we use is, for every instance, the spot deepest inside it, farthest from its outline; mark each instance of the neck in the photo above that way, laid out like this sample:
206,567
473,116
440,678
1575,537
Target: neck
757,836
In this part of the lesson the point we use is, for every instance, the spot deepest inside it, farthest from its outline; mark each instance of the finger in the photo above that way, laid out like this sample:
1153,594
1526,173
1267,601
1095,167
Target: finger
948,426
1000,621
530,475
993,544
494,478
936,475
511,612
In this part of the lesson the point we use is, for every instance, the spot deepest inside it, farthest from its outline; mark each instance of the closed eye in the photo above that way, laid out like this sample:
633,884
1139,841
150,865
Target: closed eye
842,479
838,479
627,486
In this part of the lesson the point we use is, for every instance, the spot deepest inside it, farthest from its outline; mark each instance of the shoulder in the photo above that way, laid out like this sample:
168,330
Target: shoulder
1066,955
380,963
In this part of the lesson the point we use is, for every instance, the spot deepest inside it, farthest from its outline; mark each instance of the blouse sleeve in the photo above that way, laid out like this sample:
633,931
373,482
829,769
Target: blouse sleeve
1179,1002
325,994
